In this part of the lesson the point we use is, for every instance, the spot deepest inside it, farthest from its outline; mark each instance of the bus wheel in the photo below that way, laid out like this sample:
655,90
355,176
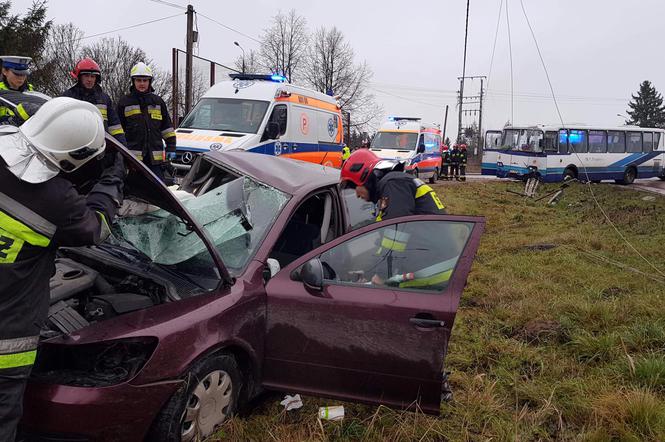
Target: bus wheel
569,174
629,176
662,177
432,179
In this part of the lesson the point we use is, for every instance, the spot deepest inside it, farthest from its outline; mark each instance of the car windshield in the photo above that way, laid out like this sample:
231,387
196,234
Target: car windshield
395,140
227,114
522,140
236,216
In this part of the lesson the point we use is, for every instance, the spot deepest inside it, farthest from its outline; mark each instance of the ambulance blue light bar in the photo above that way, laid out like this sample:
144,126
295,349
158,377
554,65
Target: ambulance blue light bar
391,118
265,77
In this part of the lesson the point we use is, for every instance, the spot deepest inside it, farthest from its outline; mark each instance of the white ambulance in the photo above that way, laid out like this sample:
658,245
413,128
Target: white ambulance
263,114
410,140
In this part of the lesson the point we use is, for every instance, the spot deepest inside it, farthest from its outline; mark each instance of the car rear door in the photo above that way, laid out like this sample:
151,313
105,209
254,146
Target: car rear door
372,342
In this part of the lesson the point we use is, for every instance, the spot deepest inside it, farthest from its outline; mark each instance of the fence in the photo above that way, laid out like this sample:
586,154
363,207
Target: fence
205,73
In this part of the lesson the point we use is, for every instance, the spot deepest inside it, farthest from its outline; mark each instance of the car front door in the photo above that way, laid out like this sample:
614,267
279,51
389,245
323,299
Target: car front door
376,328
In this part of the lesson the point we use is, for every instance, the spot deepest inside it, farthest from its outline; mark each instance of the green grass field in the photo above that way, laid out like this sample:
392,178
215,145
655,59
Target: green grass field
560,343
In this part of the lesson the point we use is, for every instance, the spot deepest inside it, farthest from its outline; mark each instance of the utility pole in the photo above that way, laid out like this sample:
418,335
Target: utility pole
188,63
475,97
481,139
445,124
461,88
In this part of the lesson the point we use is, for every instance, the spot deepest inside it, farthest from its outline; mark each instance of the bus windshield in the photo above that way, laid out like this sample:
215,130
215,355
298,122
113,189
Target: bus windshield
522,140
227,114
395,140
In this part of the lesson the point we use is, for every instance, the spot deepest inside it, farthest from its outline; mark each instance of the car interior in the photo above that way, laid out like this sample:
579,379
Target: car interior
314,223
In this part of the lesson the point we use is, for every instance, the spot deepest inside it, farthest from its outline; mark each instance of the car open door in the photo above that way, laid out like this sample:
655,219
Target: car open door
367,317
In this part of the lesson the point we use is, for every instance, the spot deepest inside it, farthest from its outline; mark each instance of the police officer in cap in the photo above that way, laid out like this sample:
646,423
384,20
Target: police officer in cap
41,210
15,71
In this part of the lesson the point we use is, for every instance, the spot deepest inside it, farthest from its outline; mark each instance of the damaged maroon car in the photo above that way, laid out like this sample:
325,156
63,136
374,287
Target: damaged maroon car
255,274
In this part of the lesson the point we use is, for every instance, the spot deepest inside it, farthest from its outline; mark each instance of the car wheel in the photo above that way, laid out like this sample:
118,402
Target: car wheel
629,176
569,174
208,397
432,179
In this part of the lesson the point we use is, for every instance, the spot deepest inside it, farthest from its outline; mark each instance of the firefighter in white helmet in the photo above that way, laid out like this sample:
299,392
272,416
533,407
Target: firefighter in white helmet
40,210
146,121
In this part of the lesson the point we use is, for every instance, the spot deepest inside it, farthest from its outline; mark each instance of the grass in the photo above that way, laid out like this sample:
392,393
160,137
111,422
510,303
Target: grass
566,343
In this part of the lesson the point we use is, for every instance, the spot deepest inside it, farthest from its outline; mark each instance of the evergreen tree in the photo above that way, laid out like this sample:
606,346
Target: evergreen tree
24,35
646,109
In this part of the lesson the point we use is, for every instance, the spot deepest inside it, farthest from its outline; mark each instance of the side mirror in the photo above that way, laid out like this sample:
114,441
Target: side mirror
421,148
312,274
272,130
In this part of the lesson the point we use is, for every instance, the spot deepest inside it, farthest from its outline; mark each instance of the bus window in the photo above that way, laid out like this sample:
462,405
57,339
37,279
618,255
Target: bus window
616,142
648,141
597,141
550,142
563,141
577,140
656,140
634,142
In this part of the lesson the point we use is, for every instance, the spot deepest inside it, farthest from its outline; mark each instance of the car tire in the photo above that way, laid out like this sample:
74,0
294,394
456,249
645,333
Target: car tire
432,179
213,382
629,176
569,174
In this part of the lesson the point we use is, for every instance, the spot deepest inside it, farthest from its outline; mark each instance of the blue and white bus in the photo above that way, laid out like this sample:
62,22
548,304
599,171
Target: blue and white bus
555,153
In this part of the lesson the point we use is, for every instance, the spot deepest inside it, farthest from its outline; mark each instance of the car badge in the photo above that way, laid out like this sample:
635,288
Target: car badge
187,157
278,148
216,146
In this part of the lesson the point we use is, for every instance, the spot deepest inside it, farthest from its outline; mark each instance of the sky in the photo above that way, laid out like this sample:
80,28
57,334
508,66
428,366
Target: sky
596,51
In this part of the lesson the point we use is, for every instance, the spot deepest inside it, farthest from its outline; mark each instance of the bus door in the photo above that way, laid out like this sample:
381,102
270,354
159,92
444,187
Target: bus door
490,152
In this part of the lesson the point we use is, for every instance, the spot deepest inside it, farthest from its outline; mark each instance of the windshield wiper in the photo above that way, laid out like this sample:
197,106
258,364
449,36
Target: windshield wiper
125,253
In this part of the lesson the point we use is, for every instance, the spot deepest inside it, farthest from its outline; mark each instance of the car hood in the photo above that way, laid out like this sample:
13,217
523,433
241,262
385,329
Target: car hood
200,140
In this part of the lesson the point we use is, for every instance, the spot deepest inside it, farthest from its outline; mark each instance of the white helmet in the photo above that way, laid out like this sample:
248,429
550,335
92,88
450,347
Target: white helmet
63,134
140,69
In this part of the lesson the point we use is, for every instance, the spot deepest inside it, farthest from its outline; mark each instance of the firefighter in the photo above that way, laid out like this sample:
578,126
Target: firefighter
41,210
88,88
462,162
445,162
454,162
15,71
146,121
346,153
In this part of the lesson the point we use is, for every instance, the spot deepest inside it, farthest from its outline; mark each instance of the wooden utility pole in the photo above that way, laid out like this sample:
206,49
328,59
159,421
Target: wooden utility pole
445,124
461,86
188,63
481,139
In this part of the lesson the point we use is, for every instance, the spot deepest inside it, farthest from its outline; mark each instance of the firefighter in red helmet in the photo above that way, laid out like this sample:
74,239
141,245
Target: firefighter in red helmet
384,183
88,78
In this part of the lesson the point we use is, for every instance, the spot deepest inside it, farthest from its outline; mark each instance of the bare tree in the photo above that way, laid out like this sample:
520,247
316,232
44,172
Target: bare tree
250,63
62,51
332,69
284,45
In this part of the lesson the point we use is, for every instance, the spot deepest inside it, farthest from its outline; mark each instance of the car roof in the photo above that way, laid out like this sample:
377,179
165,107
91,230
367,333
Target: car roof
286,174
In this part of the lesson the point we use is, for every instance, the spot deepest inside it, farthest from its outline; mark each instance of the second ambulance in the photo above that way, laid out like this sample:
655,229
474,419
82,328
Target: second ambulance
409,139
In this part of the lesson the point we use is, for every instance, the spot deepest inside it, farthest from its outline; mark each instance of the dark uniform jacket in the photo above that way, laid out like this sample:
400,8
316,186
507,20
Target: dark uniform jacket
147,122
103,102
445,157
14,116
455,156
35,219
462,156
400,194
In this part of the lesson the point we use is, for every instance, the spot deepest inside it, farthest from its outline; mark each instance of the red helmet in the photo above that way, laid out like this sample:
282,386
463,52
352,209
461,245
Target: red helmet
358,166
86,66
444,147
462,146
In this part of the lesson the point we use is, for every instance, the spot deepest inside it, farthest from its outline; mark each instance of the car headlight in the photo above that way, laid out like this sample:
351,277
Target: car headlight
93,365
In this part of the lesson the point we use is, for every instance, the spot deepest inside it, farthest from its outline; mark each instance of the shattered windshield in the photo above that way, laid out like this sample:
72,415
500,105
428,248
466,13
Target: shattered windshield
236,216
522,140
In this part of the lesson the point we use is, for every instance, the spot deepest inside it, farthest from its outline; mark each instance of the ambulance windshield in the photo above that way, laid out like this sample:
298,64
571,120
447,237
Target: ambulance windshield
395,140
227,114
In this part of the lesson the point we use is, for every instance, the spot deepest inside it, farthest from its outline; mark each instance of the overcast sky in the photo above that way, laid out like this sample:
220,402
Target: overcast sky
596,51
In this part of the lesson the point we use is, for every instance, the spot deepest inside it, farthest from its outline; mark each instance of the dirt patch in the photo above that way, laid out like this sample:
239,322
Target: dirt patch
540,330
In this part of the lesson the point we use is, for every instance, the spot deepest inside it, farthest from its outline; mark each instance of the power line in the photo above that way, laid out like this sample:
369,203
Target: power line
405,98
496,35
229,27
510,48
173,5
128,27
